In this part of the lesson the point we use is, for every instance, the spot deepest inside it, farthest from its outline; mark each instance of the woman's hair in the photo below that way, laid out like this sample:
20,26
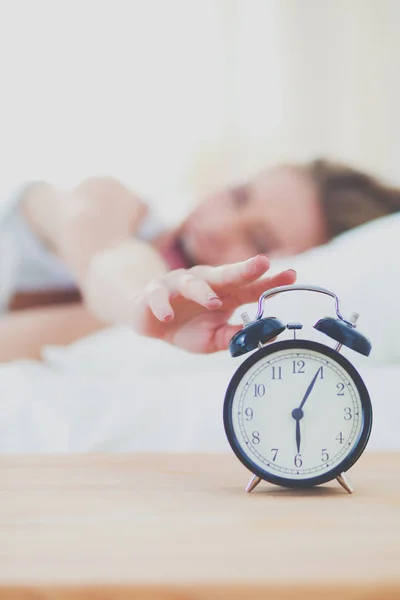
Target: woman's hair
349,197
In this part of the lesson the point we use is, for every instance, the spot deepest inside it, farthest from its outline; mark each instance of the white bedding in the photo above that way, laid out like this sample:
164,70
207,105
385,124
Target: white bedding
116,392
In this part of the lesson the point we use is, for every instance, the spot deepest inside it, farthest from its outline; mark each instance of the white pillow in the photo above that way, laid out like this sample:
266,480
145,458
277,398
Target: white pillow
362,266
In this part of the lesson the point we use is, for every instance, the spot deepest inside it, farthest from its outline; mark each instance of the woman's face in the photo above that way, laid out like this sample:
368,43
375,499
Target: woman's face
277,213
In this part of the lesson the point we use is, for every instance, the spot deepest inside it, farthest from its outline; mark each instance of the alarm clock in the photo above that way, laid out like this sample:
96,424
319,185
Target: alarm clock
296,412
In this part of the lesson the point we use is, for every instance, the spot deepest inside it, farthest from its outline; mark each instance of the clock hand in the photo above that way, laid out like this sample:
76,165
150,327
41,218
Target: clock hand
298,413
309,389
298,437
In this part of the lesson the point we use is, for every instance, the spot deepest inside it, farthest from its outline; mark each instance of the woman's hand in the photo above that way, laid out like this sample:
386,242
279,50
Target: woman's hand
191,308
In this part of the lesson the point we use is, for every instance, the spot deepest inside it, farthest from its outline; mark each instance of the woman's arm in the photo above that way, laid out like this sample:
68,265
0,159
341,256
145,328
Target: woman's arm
181,308
92,229
26,332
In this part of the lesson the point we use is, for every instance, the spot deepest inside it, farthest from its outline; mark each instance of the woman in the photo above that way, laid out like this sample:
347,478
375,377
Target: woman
100,259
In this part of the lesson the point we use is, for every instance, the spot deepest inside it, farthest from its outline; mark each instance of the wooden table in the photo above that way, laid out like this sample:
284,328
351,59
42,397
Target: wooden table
181,527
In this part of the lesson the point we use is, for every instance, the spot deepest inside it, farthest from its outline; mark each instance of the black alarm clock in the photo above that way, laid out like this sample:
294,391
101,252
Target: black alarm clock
297,413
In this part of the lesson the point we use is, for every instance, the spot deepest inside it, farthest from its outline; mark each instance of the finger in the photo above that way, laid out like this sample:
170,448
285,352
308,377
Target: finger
198,290
222,337
158,300
253,291
237,274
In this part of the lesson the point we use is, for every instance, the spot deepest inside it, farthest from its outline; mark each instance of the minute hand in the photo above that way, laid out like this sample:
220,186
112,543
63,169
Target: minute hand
309,389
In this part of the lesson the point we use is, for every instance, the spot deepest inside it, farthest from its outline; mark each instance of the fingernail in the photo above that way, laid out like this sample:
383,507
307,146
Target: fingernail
213,301
252,262
258,256
292,271
168,317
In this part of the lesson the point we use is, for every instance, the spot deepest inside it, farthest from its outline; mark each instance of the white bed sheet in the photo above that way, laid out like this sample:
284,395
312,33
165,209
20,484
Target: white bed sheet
116,392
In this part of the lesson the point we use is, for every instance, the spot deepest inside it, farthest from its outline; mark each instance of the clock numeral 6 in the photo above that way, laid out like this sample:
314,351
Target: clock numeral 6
325,455
249,413
259,390
347,413
256,437
297,460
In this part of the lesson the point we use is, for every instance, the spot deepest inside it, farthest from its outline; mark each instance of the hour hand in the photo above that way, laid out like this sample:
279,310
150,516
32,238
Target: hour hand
297,415
298,436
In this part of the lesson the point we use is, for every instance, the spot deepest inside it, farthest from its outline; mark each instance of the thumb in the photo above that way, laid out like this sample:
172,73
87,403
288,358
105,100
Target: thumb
223,335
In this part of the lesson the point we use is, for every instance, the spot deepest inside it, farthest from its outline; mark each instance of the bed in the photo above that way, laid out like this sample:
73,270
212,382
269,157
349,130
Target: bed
117,392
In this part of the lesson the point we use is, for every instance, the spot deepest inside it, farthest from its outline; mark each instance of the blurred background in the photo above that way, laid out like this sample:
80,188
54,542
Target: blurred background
176,97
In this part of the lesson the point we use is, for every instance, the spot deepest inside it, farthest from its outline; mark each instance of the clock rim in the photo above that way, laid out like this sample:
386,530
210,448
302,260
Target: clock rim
366,405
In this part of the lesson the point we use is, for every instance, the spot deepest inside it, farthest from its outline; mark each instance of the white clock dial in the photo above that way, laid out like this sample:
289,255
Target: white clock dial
297,414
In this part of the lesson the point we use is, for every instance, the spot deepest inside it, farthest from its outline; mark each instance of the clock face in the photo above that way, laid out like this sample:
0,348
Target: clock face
297,413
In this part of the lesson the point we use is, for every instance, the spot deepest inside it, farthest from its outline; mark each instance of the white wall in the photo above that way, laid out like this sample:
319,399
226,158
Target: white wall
175,96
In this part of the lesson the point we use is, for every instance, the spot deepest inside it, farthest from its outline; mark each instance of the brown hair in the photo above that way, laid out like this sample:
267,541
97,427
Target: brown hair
350,197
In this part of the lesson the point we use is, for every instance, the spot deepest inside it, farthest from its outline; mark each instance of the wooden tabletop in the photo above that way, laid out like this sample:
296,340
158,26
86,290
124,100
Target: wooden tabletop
177,527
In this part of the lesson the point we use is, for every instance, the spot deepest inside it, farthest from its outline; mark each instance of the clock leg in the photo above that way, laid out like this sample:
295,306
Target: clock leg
253,483
344,482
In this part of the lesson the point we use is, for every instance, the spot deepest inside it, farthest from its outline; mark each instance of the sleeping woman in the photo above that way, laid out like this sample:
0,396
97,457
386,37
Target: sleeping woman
96,256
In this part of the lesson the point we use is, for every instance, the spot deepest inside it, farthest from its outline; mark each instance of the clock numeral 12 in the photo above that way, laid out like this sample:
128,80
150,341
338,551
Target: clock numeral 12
276,372
298,367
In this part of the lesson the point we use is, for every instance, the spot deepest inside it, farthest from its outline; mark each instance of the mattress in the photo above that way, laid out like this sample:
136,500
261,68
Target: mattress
116,392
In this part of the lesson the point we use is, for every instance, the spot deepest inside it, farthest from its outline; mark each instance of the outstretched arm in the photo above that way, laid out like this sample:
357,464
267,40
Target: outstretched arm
92,228
125,281
25,333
